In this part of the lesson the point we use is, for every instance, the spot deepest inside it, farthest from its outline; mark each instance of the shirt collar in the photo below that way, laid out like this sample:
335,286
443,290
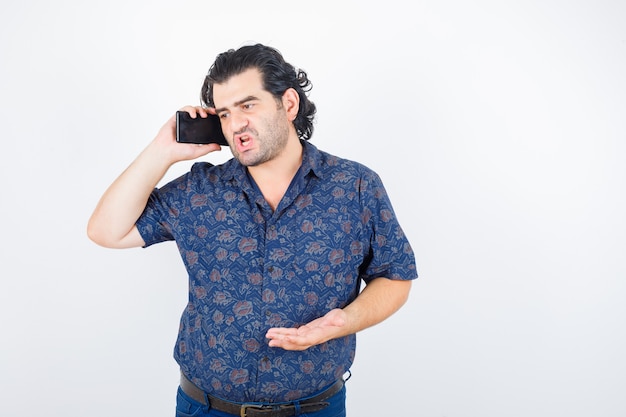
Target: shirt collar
311,159
311,163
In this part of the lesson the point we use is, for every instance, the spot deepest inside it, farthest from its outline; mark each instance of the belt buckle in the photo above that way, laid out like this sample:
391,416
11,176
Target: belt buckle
243,412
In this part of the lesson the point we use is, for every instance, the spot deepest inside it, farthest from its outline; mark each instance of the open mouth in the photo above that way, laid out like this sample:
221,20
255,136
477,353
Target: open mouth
244,141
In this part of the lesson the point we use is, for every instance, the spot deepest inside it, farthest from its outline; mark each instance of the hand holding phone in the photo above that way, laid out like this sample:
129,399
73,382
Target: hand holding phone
201,130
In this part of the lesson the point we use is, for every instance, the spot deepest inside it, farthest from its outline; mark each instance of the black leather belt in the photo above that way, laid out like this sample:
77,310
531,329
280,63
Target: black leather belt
309,405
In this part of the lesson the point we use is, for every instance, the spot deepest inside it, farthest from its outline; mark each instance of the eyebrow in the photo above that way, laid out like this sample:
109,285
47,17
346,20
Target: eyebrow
237,103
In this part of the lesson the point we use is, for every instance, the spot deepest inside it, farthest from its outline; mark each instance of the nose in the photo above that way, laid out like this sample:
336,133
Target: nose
238,122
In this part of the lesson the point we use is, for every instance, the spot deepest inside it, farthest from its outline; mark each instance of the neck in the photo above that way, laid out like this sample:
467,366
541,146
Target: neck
273,177
284,165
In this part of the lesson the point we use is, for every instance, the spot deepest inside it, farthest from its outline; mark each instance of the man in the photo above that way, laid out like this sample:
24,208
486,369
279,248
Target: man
276,242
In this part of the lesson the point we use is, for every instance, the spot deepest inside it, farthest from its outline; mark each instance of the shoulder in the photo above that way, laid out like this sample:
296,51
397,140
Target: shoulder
205,173
335,167
207,168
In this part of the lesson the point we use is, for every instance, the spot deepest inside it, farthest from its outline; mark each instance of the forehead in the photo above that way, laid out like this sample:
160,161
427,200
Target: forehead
238,87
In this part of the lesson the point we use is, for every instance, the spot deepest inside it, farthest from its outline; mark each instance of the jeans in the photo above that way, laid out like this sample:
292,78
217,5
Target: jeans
188,407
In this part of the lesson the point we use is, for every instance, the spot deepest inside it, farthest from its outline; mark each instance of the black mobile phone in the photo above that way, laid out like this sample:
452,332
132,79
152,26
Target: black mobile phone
199,130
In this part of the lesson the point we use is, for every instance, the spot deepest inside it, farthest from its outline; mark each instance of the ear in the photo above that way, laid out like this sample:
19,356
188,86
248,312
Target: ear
291,103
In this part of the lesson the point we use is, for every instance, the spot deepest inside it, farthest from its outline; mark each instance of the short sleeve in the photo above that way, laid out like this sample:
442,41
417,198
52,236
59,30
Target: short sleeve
391,255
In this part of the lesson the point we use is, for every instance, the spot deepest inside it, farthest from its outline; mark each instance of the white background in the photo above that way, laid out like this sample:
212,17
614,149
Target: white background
498,128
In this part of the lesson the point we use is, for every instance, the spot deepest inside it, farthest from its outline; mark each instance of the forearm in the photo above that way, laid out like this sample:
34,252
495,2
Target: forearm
379,299
123,202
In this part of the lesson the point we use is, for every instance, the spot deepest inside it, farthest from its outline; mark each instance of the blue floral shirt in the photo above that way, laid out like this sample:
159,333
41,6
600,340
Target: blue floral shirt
251,268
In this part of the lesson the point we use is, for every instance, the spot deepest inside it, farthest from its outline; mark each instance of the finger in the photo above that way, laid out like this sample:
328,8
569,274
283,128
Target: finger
202,112
193,151
289,344
193,111
205,148
280,331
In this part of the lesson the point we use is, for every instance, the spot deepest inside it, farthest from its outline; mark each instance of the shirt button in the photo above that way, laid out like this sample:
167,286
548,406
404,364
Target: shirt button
270,269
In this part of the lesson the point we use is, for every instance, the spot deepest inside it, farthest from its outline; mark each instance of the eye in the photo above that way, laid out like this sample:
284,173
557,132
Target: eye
248,106
223,115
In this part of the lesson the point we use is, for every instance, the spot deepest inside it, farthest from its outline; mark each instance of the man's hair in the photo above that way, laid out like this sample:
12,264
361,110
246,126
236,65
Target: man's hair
277,75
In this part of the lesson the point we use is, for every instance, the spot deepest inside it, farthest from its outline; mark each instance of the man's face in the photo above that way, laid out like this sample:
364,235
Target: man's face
254,123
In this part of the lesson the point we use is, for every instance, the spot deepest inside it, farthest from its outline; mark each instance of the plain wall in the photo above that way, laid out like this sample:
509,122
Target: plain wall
498,128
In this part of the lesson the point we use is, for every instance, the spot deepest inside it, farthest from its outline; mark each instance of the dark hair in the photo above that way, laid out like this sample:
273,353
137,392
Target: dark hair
278,76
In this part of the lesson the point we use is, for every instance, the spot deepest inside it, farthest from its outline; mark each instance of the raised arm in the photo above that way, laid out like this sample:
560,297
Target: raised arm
112,223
